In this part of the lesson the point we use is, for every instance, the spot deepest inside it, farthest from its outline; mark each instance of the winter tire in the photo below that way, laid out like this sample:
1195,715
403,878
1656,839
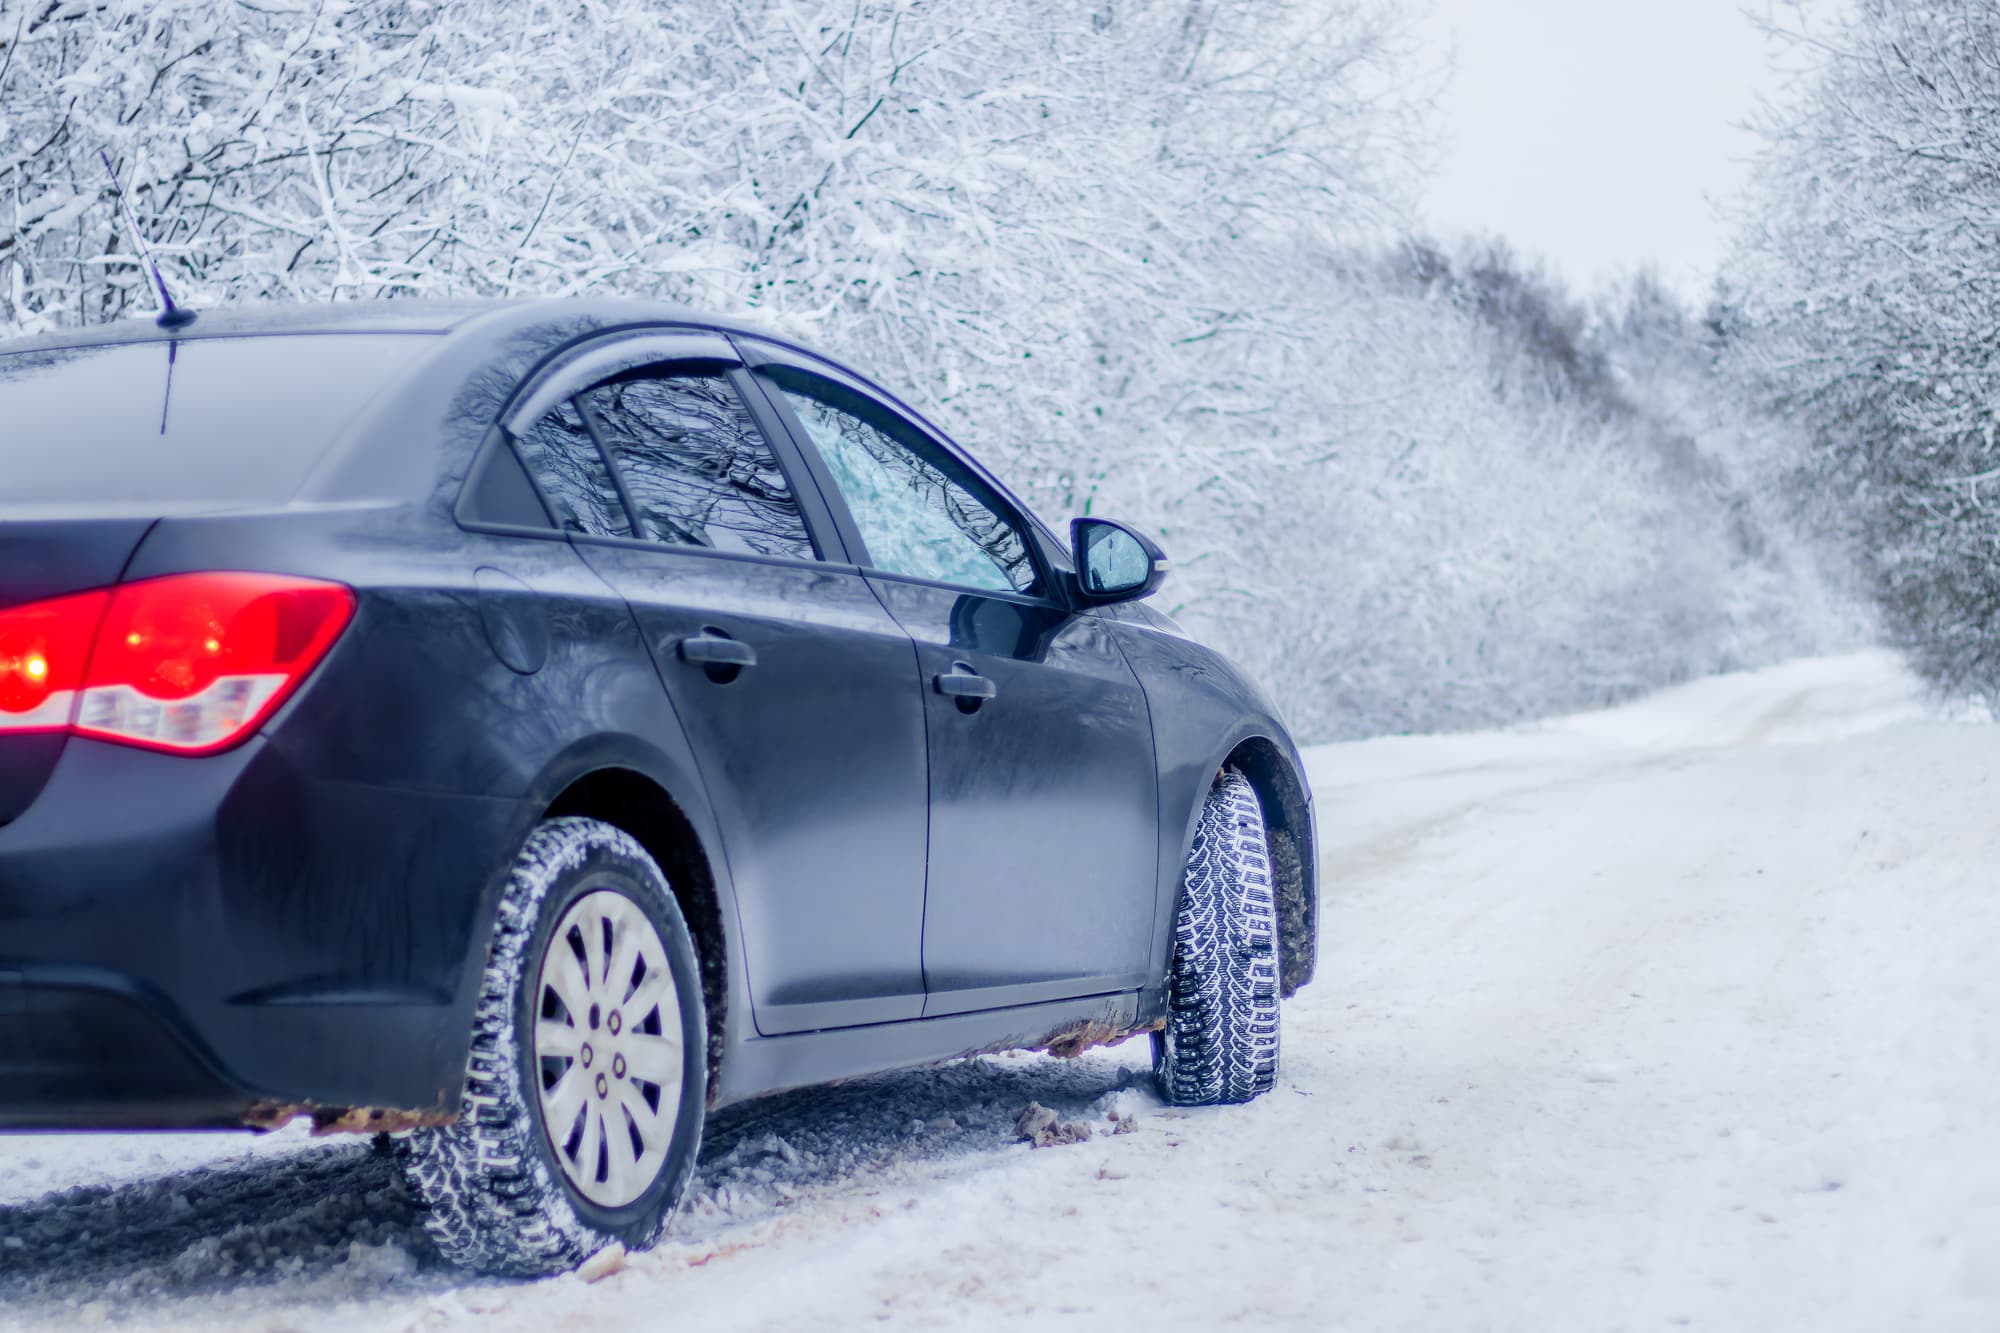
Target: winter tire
1220,1043
586,1082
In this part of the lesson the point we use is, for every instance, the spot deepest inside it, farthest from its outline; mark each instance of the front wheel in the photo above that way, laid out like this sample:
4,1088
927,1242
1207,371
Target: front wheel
1220,1043
586,1083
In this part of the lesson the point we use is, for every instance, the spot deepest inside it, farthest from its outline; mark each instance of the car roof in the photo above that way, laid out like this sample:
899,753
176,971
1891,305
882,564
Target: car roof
414,315
487,321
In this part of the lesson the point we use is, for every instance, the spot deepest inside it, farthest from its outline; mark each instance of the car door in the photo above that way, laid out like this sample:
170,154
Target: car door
797,690
1043,787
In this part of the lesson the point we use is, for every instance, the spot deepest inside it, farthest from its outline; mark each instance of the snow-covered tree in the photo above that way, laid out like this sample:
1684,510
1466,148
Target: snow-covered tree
1500,508
1036,211
1124,250
1865,302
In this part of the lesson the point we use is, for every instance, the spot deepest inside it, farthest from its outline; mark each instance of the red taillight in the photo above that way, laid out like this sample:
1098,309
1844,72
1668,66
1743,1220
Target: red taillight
190,663
44,649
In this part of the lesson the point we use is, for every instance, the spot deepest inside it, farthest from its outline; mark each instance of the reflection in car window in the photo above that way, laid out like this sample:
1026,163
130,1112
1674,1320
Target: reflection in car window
696,466
916,518
563,457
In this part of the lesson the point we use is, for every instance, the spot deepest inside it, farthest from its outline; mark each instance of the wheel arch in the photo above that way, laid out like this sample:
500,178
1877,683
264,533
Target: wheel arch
635,802
1287,803
623,789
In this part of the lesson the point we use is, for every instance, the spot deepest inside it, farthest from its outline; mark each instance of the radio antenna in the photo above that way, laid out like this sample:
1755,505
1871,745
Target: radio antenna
171,316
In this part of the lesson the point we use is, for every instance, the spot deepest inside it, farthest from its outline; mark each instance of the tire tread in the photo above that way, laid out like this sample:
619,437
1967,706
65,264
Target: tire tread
1221,1042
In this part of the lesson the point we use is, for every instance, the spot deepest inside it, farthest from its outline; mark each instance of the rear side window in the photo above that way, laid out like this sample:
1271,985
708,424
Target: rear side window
564,459
695,466
229,420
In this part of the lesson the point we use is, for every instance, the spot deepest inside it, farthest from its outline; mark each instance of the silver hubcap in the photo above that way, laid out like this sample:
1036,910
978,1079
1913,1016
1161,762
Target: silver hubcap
608,1048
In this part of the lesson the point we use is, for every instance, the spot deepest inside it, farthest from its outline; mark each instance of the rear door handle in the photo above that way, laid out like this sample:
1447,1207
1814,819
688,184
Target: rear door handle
962,682
710,648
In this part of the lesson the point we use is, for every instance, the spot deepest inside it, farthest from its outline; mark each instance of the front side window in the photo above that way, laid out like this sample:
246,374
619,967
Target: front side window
563,457
696,467
917,516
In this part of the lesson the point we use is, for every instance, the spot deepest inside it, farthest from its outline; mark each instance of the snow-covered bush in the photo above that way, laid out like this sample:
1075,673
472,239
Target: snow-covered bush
1122,250
1498,507
1864,303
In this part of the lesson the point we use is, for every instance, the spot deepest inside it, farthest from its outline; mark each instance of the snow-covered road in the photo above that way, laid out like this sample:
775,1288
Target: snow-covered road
1681,1015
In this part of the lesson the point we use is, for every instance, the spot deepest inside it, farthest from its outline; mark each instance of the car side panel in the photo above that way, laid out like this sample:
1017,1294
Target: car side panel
1043,815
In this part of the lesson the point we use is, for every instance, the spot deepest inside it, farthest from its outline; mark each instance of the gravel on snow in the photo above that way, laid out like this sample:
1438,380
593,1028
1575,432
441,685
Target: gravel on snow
1678,1015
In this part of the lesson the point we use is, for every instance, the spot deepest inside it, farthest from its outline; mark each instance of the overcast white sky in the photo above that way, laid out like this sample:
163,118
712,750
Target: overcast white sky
1596,134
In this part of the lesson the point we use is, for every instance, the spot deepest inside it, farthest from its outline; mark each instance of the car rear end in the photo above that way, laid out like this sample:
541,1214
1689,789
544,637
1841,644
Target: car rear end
156,632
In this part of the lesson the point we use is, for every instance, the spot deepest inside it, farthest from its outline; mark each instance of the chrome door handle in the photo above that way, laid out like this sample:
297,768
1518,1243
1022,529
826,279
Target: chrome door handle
963,683
712,649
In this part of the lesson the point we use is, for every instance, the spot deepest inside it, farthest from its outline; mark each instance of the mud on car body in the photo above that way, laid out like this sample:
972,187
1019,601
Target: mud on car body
531,727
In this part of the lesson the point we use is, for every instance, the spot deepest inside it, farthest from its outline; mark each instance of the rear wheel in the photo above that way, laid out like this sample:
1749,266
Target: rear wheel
585,1086
1220,1043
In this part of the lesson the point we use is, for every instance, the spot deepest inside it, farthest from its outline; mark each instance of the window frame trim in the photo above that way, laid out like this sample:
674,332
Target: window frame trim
602,356
635,517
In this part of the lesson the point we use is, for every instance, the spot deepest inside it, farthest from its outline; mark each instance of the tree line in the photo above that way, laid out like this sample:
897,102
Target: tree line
1150,260
1863,305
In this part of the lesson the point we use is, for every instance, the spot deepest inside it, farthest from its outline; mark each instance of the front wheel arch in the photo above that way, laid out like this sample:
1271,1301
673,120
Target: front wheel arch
1281,789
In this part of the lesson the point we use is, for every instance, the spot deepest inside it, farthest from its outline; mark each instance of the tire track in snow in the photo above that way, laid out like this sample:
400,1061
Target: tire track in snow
331,1224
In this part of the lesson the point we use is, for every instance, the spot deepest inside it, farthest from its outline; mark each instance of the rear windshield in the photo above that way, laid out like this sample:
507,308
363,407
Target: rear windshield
241,421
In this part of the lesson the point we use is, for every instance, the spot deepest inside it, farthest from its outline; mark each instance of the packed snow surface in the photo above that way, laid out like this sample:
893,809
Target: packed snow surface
1685,1014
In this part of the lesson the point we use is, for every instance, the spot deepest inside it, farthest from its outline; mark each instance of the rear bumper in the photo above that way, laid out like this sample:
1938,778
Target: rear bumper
76,1053
185,941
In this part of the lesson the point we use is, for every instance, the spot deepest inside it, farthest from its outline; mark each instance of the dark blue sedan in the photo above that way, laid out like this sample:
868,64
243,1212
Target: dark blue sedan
526,728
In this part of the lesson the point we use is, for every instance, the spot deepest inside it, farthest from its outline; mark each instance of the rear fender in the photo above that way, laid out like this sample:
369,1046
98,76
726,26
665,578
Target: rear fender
685,842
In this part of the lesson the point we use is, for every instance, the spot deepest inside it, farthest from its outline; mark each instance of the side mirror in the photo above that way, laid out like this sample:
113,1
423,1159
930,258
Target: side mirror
1113,562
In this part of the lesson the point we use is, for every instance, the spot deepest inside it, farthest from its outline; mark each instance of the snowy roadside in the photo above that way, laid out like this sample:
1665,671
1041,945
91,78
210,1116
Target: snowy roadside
1677,1015
198,1230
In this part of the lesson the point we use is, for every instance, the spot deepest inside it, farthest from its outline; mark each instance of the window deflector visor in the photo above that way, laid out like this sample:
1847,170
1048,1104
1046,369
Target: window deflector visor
605,360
